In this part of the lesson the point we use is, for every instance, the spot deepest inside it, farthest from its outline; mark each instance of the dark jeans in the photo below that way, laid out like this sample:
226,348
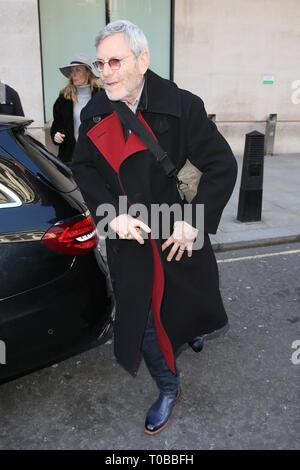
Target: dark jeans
166,381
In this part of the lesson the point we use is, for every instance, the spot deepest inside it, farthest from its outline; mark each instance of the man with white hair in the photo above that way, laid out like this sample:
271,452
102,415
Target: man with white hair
162,301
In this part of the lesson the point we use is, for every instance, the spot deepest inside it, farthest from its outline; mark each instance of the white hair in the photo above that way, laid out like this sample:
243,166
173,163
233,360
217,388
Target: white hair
135,37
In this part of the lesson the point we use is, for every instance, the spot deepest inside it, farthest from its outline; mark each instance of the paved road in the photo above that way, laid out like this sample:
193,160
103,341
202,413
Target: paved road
241,392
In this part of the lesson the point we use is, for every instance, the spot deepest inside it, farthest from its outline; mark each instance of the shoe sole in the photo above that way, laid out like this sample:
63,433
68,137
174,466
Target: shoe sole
153,433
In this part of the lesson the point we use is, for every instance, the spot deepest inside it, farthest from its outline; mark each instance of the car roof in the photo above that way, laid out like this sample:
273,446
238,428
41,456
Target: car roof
7,121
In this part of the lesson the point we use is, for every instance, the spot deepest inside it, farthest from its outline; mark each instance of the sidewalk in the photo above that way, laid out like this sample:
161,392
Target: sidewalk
280,209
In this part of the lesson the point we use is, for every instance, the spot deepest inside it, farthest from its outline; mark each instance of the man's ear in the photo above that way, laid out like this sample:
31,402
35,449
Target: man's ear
144,61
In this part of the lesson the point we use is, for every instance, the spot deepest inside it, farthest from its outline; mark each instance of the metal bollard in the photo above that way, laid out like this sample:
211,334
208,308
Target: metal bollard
251,189
270,134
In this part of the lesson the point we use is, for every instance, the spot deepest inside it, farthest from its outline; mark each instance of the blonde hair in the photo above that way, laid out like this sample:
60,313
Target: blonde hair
70,91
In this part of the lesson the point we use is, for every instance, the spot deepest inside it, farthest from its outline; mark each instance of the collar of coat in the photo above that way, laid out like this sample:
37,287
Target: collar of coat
159,96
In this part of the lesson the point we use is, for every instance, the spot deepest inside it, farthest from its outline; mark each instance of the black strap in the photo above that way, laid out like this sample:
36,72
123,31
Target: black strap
130,121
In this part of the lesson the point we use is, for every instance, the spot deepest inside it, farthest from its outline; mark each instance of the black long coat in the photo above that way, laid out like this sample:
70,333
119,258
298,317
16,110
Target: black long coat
63,122
184,295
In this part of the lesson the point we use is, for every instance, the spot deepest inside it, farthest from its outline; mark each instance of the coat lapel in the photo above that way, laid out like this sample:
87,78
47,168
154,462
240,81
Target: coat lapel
108,137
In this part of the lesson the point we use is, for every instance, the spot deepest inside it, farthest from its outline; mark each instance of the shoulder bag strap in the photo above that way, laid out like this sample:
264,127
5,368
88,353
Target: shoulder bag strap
130,121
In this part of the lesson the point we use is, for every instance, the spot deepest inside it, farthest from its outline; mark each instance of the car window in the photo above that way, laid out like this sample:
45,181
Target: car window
3,197
8,198
15,184
52,170
60,165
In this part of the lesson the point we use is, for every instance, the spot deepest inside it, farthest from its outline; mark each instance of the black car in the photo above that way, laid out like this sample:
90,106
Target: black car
53,296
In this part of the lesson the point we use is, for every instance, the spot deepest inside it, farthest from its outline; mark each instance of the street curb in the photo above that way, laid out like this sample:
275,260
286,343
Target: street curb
229,246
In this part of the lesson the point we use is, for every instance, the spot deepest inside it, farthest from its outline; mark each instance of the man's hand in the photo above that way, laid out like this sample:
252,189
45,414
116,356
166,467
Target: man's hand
129,228
182,238
59,137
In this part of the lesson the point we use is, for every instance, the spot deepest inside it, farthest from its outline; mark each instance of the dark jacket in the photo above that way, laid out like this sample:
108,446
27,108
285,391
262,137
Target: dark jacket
63,122
12,105
184,295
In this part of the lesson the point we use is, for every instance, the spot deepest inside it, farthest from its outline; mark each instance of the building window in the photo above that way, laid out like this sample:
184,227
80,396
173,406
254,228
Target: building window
154,18
68,27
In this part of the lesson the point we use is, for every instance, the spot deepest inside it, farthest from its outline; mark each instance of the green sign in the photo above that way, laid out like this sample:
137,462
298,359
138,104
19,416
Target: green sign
268,79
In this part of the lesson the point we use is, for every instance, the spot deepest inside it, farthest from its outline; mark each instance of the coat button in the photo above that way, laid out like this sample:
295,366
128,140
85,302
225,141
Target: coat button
97,119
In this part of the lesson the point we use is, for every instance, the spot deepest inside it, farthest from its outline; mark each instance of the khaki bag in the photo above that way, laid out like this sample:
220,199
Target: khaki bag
189,175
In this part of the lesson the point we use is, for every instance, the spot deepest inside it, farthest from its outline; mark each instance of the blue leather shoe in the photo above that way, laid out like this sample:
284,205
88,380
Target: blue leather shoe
160,412
197,343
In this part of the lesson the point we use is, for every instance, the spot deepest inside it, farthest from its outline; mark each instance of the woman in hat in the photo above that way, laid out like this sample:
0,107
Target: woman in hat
82,85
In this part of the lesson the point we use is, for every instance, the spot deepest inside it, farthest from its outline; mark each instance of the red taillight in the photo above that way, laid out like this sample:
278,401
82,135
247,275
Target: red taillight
74,238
